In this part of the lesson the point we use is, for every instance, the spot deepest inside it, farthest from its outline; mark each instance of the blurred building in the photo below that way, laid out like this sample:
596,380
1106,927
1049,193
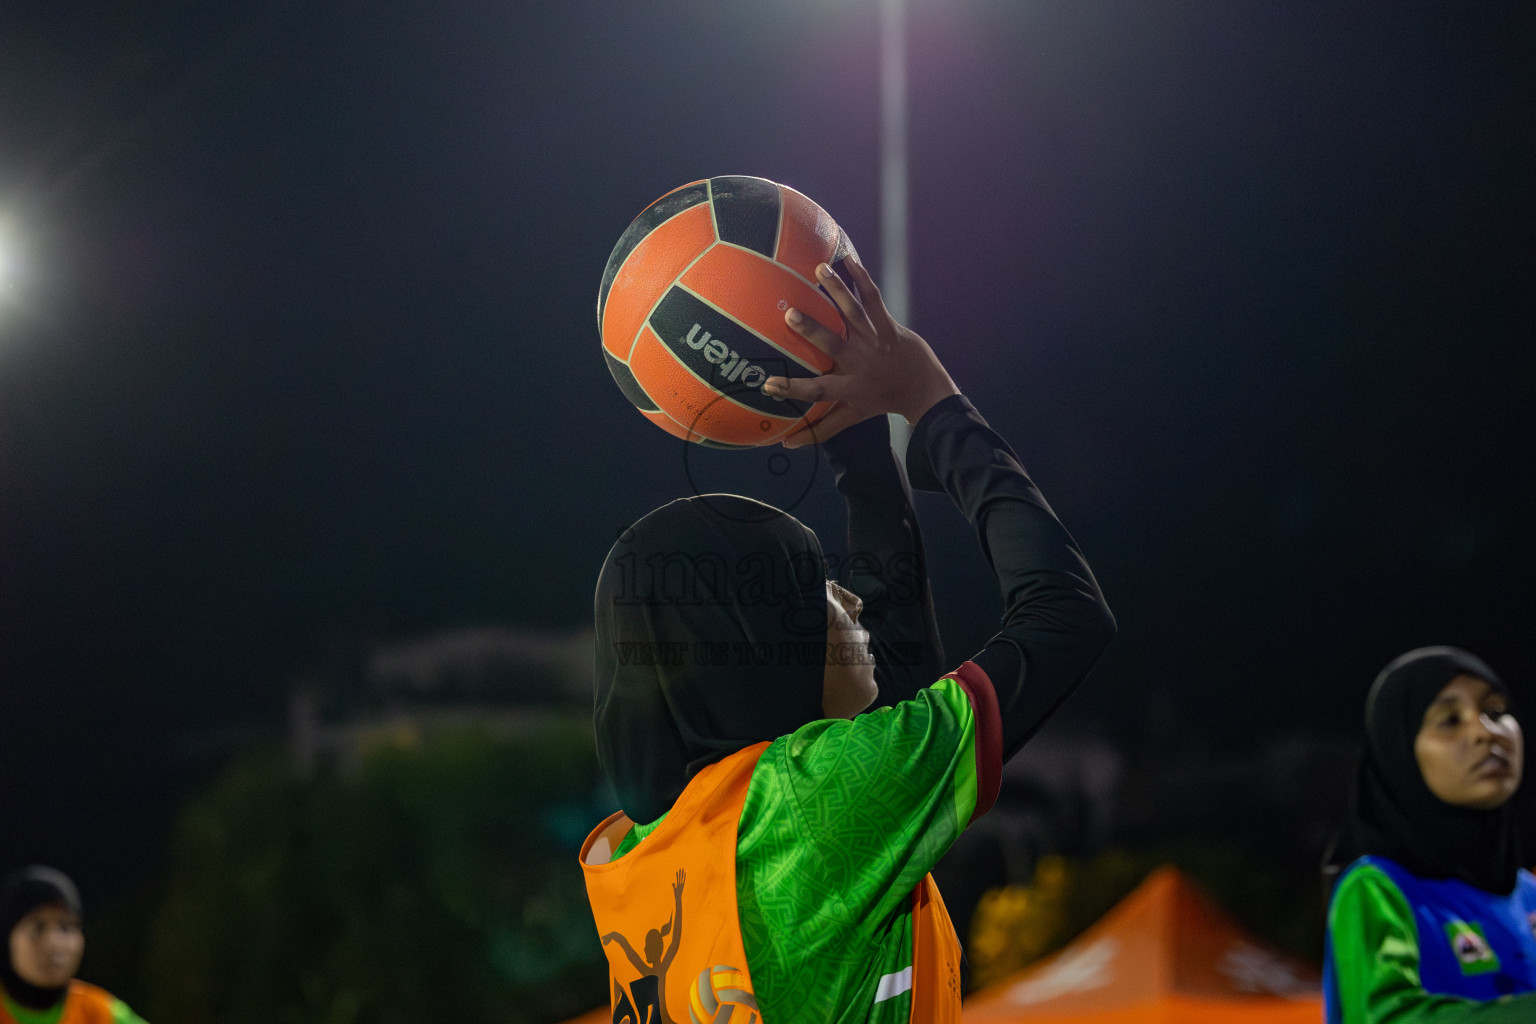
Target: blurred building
1273,805
496,677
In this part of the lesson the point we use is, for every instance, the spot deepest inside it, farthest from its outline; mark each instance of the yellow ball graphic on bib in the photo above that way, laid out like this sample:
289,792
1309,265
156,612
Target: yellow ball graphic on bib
722,995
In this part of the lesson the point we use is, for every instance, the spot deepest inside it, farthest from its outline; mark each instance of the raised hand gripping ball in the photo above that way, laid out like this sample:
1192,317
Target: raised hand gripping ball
691,308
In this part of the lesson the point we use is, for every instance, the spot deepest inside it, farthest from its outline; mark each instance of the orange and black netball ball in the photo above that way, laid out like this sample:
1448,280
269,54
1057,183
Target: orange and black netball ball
691,308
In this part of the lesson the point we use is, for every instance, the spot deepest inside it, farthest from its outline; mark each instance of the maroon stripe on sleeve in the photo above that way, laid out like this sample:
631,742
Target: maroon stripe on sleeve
977,685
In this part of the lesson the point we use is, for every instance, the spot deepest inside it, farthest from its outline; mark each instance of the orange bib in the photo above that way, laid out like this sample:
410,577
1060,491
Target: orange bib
935,958
666,911
84,1004
667,915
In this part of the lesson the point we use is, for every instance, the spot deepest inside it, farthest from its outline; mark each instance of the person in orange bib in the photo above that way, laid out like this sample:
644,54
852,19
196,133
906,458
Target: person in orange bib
789,755
40,913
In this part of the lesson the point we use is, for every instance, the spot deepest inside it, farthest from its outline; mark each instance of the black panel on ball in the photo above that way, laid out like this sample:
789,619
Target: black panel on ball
730,358
631,387
747,212
658,213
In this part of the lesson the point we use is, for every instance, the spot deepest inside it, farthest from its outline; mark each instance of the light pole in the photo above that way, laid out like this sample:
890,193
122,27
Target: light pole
893,179
893,157
10,264
7,258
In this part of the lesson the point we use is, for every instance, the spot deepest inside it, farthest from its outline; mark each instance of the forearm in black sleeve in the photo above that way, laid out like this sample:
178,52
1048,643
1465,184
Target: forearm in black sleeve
1055,620
884,564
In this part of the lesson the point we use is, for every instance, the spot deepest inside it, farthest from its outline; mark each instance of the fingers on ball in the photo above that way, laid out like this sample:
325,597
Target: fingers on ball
874,302
844,299
816,333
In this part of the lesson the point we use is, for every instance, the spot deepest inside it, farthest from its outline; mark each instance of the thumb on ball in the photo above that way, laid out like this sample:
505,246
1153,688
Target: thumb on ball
838,418
805,389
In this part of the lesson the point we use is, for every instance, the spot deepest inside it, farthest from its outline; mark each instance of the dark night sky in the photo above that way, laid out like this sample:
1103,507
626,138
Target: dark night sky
301,350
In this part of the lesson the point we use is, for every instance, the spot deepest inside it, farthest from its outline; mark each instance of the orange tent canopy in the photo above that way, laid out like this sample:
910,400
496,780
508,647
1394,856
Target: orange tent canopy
1164,955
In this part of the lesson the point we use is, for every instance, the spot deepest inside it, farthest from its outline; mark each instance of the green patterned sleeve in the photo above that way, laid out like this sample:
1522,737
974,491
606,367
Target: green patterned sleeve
882,797
1376,960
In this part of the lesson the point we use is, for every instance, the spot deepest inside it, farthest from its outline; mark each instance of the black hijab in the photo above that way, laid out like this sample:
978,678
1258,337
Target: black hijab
23,892
1391,811
711,617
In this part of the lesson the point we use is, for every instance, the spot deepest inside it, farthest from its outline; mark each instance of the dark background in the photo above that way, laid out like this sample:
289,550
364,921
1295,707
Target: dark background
299,352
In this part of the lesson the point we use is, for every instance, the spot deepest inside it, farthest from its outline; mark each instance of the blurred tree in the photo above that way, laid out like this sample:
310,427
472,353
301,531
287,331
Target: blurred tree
437,881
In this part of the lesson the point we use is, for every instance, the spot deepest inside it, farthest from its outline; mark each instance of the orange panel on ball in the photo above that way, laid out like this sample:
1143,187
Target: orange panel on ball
807,234
695,405
755,291
670,425
649,271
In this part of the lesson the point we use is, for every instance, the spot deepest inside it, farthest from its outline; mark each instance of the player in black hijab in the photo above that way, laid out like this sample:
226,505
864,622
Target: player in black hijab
789,753
1431,914
25,892
40,919
710,593
1391,811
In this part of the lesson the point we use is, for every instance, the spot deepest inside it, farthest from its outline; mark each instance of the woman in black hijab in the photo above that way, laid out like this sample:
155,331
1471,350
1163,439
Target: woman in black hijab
40,915
712,574
789,760
1432,916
